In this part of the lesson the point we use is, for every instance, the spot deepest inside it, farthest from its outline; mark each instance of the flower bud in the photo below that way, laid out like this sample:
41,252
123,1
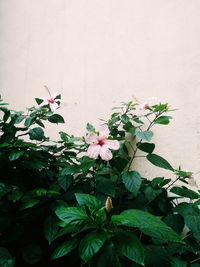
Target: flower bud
108,205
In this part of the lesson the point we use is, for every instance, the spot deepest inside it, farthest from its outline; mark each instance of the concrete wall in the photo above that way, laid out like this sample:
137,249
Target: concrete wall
98,53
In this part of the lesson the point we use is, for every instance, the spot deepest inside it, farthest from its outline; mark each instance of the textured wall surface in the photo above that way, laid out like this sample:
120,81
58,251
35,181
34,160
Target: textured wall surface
98,53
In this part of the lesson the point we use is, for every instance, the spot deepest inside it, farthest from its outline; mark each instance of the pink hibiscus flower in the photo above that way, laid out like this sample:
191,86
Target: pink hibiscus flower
100,145
51,100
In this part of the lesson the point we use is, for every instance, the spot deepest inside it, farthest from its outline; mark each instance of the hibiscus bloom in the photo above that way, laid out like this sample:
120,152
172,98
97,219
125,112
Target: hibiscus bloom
100,145
50,100
143,108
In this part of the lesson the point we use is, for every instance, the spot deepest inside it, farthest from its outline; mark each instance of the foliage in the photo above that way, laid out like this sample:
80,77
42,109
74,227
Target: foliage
53,208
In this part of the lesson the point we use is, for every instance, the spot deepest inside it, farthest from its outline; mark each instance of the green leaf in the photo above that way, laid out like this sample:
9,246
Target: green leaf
90,127
73,215
193,223
36,134
129,246
50,228
105,186
56,118
29,121
6,259
64,248
32,253
146,135
65,181
30,203
159,162
184,192
147,223
175,221
146,147
39,101
132,181
14,155
91,244
71,169
163,120
92,202
4,189
175,262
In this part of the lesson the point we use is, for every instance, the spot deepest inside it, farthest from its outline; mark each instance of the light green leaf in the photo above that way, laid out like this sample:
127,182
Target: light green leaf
146,135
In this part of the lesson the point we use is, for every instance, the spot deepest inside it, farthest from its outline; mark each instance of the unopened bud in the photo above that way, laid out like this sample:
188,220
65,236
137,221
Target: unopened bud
108,205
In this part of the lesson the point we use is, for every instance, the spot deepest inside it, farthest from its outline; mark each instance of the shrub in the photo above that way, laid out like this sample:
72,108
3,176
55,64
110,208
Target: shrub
79,201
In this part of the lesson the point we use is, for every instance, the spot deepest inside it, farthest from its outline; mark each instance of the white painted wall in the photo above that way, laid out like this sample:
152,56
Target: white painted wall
98,53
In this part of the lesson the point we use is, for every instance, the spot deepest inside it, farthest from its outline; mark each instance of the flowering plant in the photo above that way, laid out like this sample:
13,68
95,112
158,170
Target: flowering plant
80,201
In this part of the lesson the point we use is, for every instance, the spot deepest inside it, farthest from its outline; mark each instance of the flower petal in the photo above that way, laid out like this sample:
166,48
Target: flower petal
53,106
103,132
92,139
112,144
93,151
105,153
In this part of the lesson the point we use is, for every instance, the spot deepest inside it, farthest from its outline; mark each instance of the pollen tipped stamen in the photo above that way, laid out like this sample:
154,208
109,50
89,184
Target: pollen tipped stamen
48,92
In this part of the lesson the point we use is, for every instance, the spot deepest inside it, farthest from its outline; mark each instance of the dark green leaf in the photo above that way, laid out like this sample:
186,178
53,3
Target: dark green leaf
129,246
36,134
56,118
39,101
184,192
159,162
30,203
175,262
6,259
64,248
163,120
90,245
65,181
193,222
147,223
73,215
84,199
105,186
146,147
50,228
32,253
132,181
14,155
146,135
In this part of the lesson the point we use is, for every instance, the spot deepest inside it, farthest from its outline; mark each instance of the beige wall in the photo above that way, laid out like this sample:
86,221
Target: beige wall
100,52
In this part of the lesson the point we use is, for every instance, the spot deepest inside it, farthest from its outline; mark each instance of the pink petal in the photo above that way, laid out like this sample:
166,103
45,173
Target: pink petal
93,151
92,139
112,144
105,153
103,132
